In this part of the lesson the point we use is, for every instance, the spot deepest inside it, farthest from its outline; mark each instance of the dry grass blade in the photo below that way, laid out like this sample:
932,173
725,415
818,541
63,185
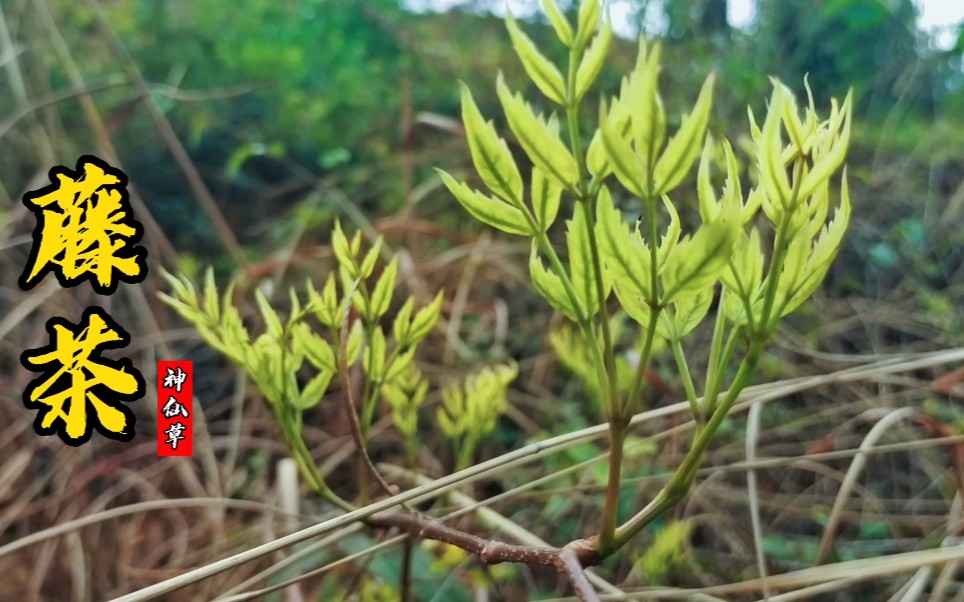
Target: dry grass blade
853,472
104,515
752,432
533,452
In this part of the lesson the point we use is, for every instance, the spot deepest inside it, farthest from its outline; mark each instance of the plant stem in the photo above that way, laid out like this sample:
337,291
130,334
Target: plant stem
682,479
781,245
655,308
308,467
587,203
713,367
687,378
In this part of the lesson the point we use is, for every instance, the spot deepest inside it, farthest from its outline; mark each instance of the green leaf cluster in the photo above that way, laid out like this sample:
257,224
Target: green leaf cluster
663,276
293,364
471,408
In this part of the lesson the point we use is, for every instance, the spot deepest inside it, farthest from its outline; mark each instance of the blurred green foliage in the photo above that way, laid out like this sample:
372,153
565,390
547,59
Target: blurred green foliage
299,91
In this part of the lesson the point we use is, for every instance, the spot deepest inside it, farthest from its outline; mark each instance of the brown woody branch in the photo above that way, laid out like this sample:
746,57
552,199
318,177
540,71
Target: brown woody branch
570,560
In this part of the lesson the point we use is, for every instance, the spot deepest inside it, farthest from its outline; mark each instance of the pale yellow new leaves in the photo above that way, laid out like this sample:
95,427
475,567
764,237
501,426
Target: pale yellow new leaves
274,359
663,277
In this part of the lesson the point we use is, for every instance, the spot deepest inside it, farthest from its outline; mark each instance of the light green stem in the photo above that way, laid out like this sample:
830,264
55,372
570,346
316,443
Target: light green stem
687,378
682,479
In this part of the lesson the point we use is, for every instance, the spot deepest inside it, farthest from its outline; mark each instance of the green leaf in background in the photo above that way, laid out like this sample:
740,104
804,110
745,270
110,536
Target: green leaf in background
382,294
424,320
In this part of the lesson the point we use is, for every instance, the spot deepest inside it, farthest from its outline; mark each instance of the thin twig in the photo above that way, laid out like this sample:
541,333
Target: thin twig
532,452
348,398
569,565
487,550
51,99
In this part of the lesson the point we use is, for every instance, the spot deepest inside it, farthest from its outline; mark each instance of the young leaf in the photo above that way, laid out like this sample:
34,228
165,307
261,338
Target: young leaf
697,262
543,146
374,358
402,325
619,118
559,22
823,253
671,238
312,393
424,321
316,349
326,304
382,294
490,154
343,251
773,173
545,75
487,210
684,147
688,310
551,288
545,199
210,295
368,264
831,158
745,273
710,206
587,21
592,62
634,304
356,337
791,117
580,262
625,255
399,363
648,116
270,317
620,156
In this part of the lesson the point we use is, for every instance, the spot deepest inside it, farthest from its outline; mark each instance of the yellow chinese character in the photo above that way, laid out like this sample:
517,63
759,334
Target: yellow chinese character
84,224
75,374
